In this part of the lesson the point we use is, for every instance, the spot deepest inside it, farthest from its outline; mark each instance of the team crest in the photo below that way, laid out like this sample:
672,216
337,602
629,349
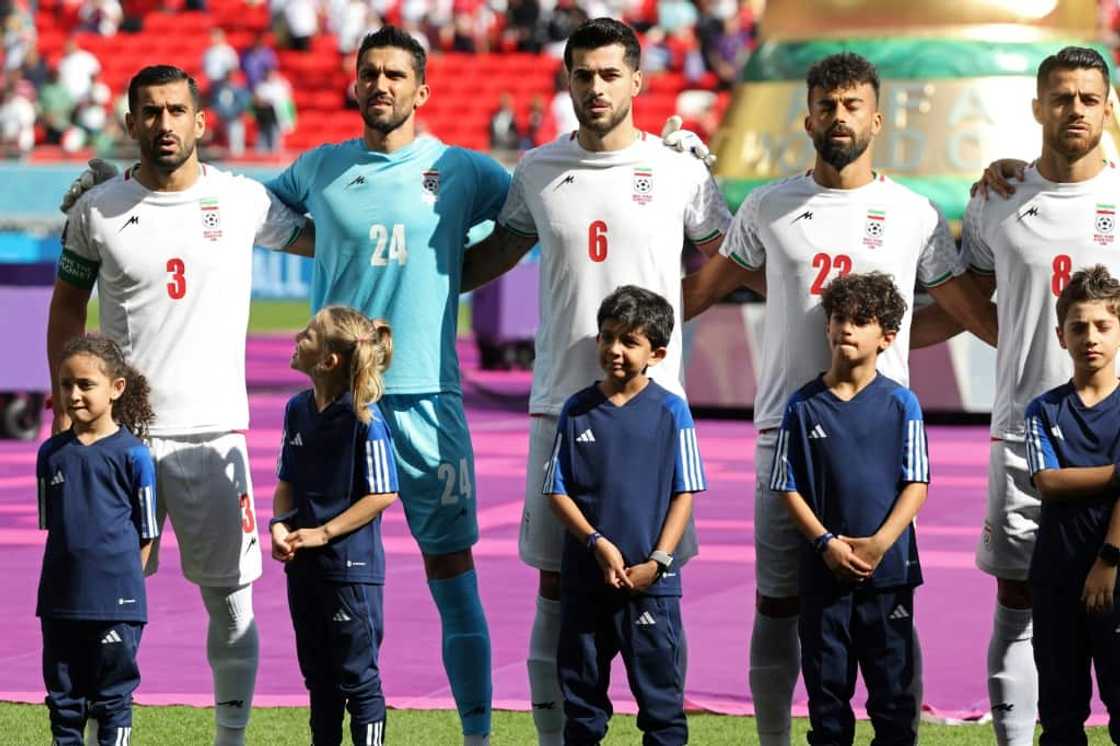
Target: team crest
211,219
429,183
643,185
874,227
1104,224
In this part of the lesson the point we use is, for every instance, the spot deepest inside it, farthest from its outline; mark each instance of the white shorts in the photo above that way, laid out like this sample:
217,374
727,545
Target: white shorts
1011,525
777,542
203,484
541,543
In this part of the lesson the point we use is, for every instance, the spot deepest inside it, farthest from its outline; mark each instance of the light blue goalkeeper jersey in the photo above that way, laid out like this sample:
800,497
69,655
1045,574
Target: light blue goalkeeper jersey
390,231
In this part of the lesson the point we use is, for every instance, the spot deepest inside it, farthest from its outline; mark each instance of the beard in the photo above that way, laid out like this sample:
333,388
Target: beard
387,123
1073,150
838,155
167,163
602,126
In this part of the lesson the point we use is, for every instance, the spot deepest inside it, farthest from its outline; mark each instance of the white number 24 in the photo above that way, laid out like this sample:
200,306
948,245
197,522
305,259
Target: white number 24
446,472
381,238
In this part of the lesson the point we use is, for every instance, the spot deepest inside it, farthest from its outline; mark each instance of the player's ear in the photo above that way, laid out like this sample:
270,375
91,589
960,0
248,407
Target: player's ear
657,355
423,92
199,124
116,388
1061,336
1036,107
876,122
636,83
886,340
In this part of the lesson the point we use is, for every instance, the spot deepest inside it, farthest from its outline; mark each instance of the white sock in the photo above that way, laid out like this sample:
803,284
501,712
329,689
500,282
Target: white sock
544,682
1012,677
233,650
775,664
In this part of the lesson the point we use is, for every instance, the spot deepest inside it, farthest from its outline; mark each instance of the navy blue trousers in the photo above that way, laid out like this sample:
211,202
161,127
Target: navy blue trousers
338,635
594,628
1066,642
869,630
90,671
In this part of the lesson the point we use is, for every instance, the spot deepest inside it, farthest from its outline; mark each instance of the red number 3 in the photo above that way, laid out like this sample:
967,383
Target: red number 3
597,241
824,263
177,288
248,520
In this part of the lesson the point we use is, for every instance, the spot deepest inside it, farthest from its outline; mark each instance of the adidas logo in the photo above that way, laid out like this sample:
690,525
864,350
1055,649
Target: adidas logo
57,478
296,441
817,433
340,616
899,613
111,638
646,620
586,436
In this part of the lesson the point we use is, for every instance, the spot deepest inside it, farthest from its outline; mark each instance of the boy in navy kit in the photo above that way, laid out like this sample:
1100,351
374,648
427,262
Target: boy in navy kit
337,475
851,459
624,468
1073,446
97,501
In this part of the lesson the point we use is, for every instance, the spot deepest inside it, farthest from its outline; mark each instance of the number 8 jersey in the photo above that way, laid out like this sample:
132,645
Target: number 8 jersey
1032,243
805,235
606,219
174,276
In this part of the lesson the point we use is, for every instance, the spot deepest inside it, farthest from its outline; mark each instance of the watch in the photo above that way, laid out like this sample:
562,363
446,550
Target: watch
663,559
282,518
1109,554
821,542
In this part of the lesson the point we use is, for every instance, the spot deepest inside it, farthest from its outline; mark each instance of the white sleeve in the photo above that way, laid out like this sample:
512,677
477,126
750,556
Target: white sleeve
975,251
277,224
939,261
742,244
706,215
515,215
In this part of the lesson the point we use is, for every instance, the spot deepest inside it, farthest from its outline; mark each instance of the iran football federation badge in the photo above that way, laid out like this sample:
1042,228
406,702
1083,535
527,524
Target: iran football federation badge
429,183
1104,224
211,219
874,227
643,185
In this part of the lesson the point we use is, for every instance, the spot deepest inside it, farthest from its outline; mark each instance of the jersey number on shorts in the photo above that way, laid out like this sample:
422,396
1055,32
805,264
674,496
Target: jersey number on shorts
1061,266
381,238
450,478
177,288
597,241
824,264
248,520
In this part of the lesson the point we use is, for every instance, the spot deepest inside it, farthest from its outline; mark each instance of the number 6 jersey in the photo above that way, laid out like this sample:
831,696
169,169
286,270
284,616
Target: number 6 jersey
1032,243
174,275
805,235
606,219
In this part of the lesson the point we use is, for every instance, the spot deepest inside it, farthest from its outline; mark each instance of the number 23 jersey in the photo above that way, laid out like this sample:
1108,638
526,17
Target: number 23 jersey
805,235
1032,243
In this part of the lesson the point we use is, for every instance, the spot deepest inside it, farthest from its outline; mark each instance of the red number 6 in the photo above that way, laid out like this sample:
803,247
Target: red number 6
597,241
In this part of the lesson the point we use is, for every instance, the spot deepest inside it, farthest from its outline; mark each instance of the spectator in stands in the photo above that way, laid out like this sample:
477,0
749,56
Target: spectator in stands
101,16
35,69
657,57
350,20
675,14
275,112
503,126
301,22
77,69
220,59
17,120
258,61
563,113
92,114
19,36
726,39
565,17
535,125
523,18
56,107
229,100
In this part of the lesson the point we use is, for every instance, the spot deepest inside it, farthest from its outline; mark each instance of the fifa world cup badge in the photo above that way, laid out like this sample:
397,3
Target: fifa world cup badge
1103,224
643,185
211,219
429,183
874,227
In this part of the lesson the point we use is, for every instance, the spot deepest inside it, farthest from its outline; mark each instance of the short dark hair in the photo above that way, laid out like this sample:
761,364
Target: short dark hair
843,70
398,38
863,298
1090,284
1072,58
639,310
161,75
603,32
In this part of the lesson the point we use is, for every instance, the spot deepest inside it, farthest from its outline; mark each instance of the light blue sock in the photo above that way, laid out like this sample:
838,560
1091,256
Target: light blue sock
466,649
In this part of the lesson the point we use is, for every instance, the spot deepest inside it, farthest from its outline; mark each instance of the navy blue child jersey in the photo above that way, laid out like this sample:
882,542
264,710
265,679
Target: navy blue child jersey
332,460
97,502
850,460
621,466
1062,433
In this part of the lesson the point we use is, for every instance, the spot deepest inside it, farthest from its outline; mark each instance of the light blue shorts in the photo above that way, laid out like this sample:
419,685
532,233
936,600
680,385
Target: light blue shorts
435,468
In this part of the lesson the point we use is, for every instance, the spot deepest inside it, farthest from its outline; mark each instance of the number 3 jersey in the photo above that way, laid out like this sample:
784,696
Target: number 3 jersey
174,276
804,235
606,219
1032,243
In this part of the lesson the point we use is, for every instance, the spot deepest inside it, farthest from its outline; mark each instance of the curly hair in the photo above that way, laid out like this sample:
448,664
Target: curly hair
133,410
840,71
366,348
1090,284
863,298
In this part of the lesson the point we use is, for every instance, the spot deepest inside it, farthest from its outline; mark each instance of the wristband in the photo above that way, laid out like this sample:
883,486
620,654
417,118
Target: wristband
1109,554
282,518
664,561
593,537
821,542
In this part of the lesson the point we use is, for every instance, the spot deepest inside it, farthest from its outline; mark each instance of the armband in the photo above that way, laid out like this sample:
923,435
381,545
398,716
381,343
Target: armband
77,270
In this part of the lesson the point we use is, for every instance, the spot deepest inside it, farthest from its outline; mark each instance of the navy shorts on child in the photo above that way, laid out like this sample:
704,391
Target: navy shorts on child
621,465
850,460
331,459
97,503
1063,433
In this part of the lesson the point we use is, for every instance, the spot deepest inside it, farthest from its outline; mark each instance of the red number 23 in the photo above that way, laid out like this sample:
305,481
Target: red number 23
824,264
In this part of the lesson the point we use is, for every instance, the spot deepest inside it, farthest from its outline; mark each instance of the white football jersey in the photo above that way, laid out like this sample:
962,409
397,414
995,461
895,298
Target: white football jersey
1033,242
174,275
805,235
606,219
